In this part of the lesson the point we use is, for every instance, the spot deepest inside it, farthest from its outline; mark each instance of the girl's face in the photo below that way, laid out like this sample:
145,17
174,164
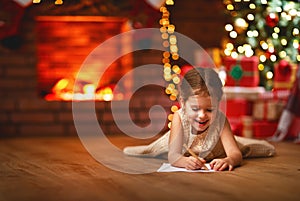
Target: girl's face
200,112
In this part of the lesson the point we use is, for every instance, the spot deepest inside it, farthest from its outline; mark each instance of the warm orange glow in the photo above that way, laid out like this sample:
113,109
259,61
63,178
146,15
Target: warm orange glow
63,91
60,85
105,94
58,74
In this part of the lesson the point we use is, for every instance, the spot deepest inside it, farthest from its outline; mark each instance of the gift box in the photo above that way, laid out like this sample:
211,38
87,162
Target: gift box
236,125
270,105
238,107
269,110
284,75
264,129
242,71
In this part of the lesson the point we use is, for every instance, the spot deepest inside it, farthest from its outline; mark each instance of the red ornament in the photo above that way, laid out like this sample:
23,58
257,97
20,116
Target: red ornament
272,19
284,68
268,54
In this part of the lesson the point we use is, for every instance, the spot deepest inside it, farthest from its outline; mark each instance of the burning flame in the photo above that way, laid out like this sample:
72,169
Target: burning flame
63,90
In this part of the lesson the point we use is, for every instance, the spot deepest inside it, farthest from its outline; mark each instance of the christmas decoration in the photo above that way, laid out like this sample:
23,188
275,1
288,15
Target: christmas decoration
268,109
268,29
284,75
284,68
171,71
241,71
272,19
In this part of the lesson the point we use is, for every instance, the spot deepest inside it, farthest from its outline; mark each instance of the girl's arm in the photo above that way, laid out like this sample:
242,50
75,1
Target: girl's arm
175,156
233,154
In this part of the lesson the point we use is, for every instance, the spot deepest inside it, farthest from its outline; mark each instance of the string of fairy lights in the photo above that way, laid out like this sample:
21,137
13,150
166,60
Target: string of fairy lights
171,71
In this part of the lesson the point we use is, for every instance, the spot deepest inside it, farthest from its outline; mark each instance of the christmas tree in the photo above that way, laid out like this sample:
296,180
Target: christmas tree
268,29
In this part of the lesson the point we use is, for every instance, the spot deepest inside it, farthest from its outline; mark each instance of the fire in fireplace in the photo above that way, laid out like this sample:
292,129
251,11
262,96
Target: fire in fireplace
63,44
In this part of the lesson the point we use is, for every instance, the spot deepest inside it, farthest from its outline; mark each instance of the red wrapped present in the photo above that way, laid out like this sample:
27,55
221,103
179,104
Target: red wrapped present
264,129
242,71
238,107
236,125
269,105
284,75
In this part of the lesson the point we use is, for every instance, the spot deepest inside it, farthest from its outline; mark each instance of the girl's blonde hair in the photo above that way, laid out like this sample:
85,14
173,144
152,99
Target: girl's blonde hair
201,81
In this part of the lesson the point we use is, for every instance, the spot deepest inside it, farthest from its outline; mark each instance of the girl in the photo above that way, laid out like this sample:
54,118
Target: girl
202,127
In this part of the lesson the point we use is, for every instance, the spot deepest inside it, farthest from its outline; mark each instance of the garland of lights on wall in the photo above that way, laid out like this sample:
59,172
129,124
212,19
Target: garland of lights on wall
171,71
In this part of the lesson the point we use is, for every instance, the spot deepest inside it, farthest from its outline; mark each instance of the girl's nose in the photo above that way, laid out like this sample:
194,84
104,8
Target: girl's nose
201,113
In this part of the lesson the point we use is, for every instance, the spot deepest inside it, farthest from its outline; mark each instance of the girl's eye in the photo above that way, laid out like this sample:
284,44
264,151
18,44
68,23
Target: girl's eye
195,109
210,110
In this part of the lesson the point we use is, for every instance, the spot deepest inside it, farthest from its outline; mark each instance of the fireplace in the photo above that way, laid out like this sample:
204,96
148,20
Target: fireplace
30,74
64,42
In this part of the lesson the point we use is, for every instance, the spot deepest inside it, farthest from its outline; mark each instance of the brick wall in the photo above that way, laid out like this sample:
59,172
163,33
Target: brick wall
32,116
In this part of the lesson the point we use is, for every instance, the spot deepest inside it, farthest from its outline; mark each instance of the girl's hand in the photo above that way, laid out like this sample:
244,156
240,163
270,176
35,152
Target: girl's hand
221,164
191,163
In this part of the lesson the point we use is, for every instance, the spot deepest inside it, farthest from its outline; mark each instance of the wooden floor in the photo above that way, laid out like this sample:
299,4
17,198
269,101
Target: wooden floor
37,169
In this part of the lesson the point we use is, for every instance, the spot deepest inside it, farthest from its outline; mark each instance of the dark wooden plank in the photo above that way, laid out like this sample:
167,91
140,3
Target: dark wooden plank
61,169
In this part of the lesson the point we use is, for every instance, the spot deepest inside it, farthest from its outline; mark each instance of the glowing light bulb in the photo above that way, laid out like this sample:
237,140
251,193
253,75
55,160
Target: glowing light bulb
269,75
240,49
295,31
282,54
234,55
249,52
173,48
228,27
273,58
262,58
230,7
261,67
296,44
275,35
264,1
173,39
174,108
240,22
227,52
233,34
252,6
255,33
250,17
276,29
229,46
264,45
283,41
249,34
170,2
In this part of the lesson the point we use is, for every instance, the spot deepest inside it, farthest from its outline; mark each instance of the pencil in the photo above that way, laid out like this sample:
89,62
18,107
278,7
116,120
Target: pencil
195,156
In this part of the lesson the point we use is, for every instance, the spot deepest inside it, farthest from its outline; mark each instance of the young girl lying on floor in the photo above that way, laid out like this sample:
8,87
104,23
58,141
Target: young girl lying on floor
202,127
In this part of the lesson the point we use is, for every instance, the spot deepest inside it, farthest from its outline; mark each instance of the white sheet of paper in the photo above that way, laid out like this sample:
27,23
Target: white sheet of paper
167,167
